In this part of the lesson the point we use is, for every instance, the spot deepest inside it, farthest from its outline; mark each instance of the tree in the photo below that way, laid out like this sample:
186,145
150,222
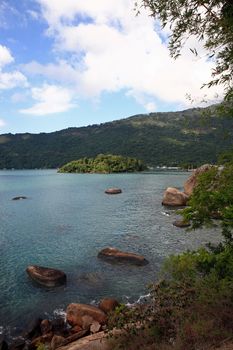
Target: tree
210,22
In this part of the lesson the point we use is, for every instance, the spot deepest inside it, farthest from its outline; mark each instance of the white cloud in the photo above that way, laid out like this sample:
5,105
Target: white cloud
150,107
49,99
5,56
33,14
111,50
14,78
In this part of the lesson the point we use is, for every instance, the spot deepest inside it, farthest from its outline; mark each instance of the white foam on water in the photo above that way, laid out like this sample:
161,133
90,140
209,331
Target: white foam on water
59,313
140,300
164,213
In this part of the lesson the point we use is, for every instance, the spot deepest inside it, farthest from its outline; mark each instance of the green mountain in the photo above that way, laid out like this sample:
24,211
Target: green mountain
191,136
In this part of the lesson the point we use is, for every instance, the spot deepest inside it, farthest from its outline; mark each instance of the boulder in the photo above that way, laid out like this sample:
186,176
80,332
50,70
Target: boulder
45,326
113,191
33,329
18,344
191,183
43,339
108,304
76,314
97,341
3,344
58,324
46,276
75,336
115,255
181,223
95,327
175,198
56,341
19,198
75,330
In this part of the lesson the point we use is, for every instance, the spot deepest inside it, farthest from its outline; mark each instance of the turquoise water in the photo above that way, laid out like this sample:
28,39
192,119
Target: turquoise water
66,220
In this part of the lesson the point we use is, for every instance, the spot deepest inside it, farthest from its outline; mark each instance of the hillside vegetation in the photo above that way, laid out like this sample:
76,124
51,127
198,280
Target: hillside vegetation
174,138
103,163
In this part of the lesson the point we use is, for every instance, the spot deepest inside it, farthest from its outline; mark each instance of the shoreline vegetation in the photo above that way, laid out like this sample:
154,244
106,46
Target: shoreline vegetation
104,164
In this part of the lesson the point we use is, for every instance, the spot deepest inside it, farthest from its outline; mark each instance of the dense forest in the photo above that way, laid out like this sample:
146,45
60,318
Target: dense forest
193,136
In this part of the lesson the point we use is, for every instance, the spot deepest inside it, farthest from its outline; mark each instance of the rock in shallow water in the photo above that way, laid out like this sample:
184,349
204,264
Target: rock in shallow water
46,276
181,223
113,191
76,314
19,198
173,197
115,255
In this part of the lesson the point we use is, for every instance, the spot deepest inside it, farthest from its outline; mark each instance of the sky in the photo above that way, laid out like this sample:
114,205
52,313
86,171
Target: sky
72,63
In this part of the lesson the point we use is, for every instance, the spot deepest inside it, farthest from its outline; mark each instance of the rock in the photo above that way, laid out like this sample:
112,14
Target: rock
33,329
45,326
181,223
115,255
113,191
87,321
43,339
191,183
108,304
18,344
19,198
75,313
3,344
95,327
58,324
173,197
75,329
98,341
46,276
56,341
75,337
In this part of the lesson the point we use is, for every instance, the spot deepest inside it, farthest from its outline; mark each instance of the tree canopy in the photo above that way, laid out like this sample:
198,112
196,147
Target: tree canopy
103,163
210,22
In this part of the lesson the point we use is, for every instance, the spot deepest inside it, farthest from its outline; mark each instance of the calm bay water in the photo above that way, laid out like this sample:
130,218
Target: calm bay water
66,220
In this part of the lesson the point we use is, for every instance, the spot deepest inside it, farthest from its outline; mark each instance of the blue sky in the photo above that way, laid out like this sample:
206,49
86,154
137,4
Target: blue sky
80,62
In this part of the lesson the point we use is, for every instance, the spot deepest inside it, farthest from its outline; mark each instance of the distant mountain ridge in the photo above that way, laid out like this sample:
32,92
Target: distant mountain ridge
170,138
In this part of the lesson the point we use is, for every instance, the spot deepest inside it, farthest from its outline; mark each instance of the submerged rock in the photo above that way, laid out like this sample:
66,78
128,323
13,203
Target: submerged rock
173,197
19,198
181,223
115,255
113,191
77,314
46,276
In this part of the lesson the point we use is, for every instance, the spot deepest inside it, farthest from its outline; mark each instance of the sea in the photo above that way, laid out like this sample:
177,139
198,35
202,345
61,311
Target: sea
65,221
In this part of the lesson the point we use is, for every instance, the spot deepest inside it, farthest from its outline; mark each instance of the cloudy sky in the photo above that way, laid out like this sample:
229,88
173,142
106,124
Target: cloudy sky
79,62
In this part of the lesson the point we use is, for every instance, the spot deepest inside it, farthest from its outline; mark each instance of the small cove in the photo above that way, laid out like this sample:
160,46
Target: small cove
66,220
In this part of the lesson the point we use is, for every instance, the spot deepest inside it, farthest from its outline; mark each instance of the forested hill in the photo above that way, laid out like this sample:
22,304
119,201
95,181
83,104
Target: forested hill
172,138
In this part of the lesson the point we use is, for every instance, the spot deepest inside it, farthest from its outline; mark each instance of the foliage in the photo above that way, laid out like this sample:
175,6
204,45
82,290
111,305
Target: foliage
226,158
213,199
104,163
210,22
192,308
171,138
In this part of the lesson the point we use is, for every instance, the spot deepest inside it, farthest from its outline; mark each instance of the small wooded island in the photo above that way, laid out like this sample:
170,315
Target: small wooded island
104,164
